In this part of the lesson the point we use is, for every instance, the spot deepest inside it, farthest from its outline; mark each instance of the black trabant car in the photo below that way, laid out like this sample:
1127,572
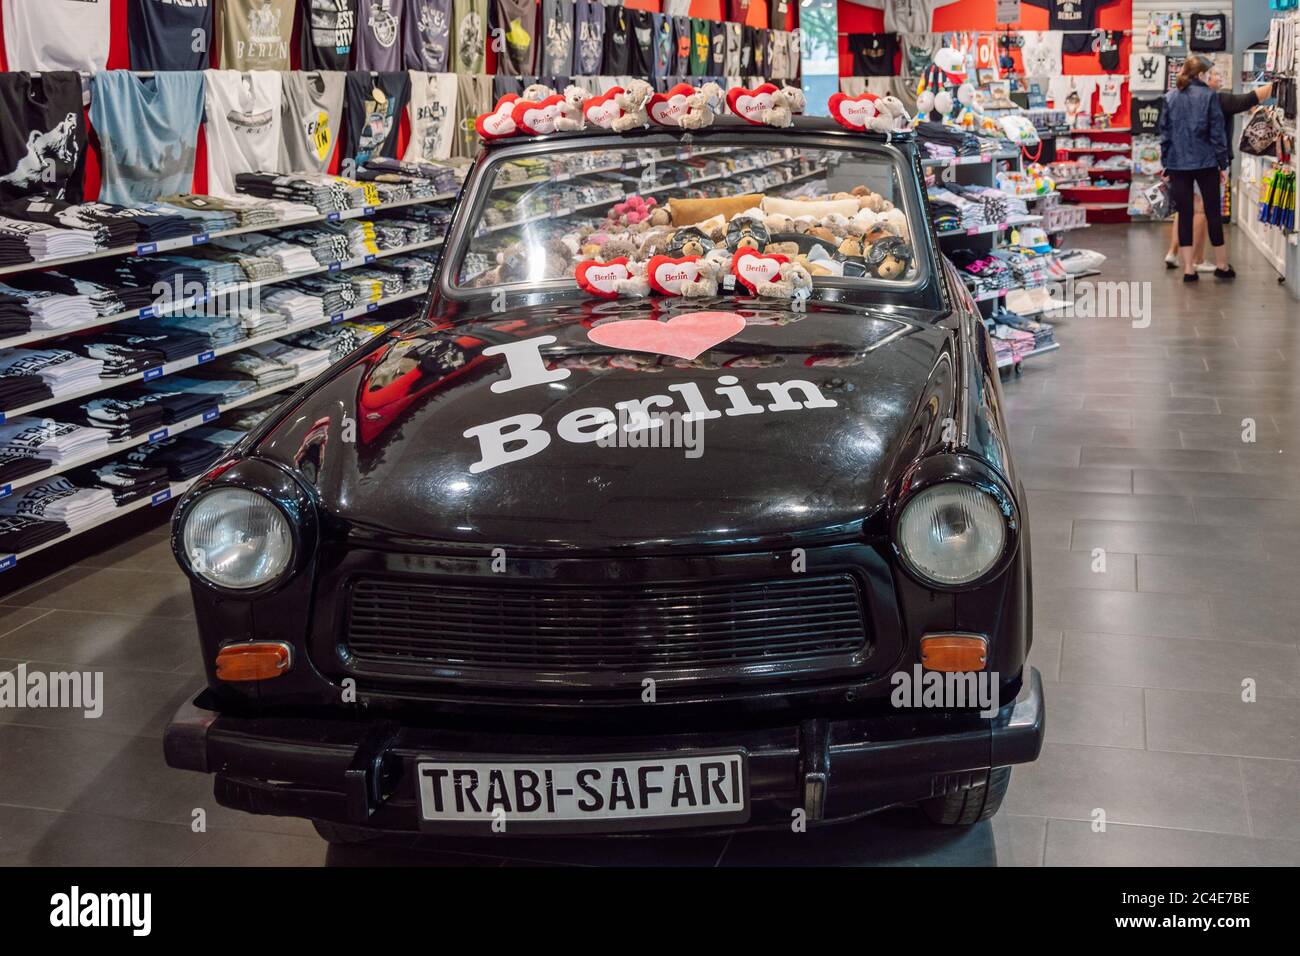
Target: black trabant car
686,502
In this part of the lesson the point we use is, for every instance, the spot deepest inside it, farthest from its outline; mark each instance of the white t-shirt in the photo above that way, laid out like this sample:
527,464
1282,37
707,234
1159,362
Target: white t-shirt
243,125
907,16
44,35
433,116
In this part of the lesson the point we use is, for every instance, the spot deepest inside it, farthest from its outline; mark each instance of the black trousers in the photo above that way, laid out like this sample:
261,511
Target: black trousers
1180,194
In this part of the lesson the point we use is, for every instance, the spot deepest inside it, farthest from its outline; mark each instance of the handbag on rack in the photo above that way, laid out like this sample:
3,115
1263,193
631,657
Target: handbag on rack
1157,195
1260,135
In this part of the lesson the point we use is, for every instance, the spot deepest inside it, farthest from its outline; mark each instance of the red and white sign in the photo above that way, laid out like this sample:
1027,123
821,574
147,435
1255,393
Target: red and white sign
667,109
853,112
602,110
750,267
500,123
599,278
750,105
537,119
667,274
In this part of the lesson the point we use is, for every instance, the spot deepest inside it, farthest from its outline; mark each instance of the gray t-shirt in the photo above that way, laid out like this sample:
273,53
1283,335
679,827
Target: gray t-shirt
469,41
311,107
517,19
379,35
255,34
557,38
426,26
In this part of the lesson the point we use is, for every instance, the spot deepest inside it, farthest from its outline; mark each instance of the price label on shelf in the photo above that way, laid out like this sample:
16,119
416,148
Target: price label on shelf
161,497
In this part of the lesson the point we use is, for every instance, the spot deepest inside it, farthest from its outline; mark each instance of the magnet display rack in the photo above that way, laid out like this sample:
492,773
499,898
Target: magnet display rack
982,171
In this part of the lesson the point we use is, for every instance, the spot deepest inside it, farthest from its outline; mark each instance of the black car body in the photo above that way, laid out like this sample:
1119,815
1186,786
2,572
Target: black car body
591,605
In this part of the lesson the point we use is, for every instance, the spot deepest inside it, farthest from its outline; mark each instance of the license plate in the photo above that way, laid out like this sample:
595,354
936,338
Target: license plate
601,793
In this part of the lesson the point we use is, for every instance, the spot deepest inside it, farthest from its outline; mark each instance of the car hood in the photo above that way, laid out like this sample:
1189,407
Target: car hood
811,417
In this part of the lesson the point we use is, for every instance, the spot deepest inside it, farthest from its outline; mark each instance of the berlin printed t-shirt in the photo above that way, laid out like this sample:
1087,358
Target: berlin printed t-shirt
328,32
163,35
557,38
255,34
47,35
379,35
374,105
433,117
243,125
147,128
470,39
311,111
42,135
589,36
426,31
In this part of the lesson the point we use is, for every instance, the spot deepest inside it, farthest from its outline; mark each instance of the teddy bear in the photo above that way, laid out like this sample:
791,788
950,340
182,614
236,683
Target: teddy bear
705,283
775,222
745,232
792,280
659,216
889,258
632,101
616,246
895,220
700,107
811,267
571,117
689,241
851,246
786,247
785,103
631,211
537,92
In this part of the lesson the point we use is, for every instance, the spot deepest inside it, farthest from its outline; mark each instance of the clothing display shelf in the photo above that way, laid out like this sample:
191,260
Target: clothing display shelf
994,228
1101,203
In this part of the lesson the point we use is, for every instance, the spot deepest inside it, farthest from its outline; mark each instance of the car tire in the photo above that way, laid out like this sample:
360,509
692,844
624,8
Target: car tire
340,834
964,807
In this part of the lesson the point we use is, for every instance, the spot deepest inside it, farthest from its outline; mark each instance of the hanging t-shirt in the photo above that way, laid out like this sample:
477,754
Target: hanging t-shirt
731,61
1147,72
662,27
739,10
915,16
700,33
48,35
375,102
1079,17
517,19
873,53
426,35
677,8
918,52
1110,90
617,55
42,135
778,52
683,41
243,125
379,35
328,31
433,117
469,19
747,51
792,40
255,34
717,48
1144,114
1040,52
147,128
1108,42
589,37
1164,30
1209,33
163,35
761,62
473,99
312,110
641,54
557,38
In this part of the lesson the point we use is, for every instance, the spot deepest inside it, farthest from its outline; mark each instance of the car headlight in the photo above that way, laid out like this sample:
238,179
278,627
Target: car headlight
952,533
237,539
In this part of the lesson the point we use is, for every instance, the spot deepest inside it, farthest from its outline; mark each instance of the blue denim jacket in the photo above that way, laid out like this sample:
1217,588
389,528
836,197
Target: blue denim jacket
1192,130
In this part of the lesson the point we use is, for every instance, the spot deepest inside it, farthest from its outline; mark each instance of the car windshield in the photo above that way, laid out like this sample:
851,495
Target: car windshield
839,212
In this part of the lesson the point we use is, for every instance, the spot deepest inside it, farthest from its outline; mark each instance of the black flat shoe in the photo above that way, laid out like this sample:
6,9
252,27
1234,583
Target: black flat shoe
1192,277
1228,273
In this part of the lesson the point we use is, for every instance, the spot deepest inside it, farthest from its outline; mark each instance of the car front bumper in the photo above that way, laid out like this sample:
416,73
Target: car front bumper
362,772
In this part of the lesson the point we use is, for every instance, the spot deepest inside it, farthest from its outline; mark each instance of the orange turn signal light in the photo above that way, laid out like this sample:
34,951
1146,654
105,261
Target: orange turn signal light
954,652
255,661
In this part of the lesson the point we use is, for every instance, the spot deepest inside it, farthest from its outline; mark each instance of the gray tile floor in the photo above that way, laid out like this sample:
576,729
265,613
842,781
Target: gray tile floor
1130,440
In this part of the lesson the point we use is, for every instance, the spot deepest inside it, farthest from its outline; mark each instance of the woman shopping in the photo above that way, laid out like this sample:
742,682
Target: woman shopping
1194,150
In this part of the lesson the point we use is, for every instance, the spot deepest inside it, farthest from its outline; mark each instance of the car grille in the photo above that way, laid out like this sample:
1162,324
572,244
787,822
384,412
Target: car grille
525,631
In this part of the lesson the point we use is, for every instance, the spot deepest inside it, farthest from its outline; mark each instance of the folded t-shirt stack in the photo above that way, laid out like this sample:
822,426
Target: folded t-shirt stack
62,370
225,385
336,293
246,211
127,481
415,273
104,300
179,403
255,321
215,331
216,272
184,456
291,256
306,363
247,417
323,193
252,266
50,310
264,372
59,442
295,306
339,340
446,178
24,241
13,467
213,219
110,226
374,284
22,532
413,230
404,186
360,234
60,500
126,413
18,389
325,246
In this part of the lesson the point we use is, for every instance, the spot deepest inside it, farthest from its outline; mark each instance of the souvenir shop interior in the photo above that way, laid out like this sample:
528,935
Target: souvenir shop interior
206,204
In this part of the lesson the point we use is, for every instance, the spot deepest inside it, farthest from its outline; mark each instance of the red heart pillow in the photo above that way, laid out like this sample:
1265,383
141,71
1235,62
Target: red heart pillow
750,268
667,109
537,119
500,123
667,274
598,278
854,112
750,105
602,110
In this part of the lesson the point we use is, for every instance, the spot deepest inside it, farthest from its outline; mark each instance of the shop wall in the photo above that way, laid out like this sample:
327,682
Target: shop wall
981,16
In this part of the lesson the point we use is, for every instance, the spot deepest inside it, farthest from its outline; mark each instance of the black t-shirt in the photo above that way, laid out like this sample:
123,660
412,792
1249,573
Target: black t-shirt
1072,15
328,29
1108,42
42,135
163,35
1144,114
373,107
873,53
641,54
747,37
1209,33
682,42
618,54
717,48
